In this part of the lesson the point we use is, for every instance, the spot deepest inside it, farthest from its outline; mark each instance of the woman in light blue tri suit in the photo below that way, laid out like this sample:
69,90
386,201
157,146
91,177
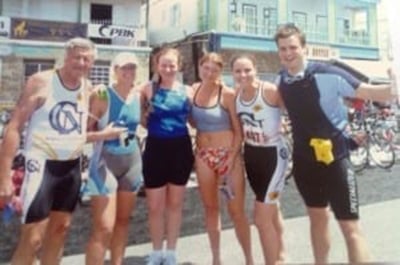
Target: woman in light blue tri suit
115,170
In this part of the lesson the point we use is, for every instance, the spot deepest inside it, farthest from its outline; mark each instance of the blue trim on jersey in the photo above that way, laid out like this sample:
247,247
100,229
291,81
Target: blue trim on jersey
315,106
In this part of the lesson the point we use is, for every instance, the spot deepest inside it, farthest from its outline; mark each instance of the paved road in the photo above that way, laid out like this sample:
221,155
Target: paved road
379,192
379,222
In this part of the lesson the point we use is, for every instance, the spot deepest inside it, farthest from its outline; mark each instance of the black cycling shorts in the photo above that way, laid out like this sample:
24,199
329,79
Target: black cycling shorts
265,170
321,185
167,160
49,185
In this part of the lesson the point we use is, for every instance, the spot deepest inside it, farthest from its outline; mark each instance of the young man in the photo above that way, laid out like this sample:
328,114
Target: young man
312,94
54,106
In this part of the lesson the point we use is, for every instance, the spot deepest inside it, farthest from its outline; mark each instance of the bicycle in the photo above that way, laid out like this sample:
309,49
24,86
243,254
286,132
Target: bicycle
288,143
375,149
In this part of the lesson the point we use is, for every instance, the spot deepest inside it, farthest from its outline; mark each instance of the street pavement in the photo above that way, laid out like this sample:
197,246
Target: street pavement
380,216
380,222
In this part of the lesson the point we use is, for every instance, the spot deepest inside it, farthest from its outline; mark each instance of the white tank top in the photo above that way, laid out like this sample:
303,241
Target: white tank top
57,129
260,121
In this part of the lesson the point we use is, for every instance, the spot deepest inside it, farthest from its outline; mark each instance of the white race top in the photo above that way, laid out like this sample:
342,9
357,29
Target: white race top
261,122
57,129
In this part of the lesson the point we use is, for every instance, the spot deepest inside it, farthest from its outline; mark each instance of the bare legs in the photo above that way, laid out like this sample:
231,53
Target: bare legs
126,202
165,214
268,221
110,222
47,235
357,248
103,209
208,186
319,228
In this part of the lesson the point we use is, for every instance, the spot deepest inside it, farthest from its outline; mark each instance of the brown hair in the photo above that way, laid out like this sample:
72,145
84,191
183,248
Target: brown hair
212,57
164,51
156,59
250,57
288,30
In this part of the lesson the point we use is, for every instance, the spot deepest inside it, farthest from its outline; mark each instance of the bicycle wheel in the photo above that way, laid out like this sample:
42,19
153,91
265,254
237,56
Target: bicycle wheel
382,153
289,145
359,159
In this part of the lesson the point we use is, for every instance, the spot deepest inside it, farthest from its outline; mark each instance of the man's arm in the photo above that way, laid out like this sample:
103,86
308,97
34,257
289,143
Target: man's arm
380,93
31,98
352,87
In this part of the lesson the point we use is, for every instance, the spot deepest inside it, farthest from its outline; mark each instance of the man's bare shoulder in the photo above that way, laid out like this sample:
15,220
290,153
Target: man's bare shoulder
39,80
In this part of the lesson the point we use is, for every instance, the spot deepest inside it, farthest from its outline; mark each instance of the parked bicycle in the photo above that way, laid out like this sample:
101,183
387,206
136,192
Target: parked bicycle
375,149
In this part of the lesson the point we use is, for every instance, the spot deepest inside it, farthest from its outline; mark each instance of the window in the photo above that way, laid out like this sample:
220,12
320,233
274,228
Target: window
360,18
100,73
300,20
250,17
101,40
34,66
175,18
270,21
321,27
343,29
101,14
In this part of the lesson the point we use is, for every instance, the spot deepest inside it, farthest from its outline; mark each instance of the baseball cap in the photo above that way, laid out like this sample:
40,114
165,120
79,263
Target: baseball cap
125,58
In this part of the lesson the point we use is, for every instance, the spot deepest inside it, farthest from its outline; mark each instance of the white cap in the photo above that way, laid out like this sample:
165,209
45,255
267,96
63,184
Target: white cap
125,58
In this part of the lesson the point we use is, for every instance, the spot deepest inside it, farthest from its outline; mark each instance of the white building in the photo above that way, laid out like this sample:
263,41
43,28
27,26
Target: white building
32,33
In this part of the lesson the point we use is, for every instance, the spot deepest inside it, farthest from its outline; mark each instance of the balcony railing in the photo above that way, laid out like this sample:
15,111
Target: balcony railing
269,30
355,37
239,25
316,35
313,33
101,21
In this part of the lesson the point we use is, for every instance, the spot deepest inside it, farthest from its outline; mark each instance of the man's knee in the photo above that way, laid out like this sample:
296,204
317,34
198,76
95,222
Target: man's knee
31,243
58,229
318,216
351,229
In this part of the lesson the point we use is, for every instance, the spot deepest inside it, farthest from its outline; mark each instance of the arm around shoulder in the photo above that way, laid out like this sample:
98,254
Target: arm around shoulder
229,96
146,93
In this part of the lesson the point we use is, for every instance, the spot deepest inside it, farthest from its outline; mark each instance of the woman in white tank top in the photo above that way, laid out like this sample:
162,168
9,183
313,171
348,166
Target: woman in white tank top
258,107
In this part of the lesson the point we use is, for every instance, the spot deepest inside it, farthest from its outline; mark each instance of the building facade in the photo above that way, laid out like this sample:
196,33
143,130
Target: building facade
336,29
32,33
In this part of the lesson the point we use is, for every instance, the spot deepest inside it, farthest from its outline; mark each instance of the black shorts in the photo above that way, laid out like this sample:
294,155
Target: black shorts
166,161
321,185
265,170
49,185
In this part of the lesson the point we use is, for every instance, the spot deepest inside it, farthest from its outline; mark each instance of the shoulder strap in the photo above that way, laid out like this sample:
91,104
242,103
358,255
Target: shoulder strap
219,94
